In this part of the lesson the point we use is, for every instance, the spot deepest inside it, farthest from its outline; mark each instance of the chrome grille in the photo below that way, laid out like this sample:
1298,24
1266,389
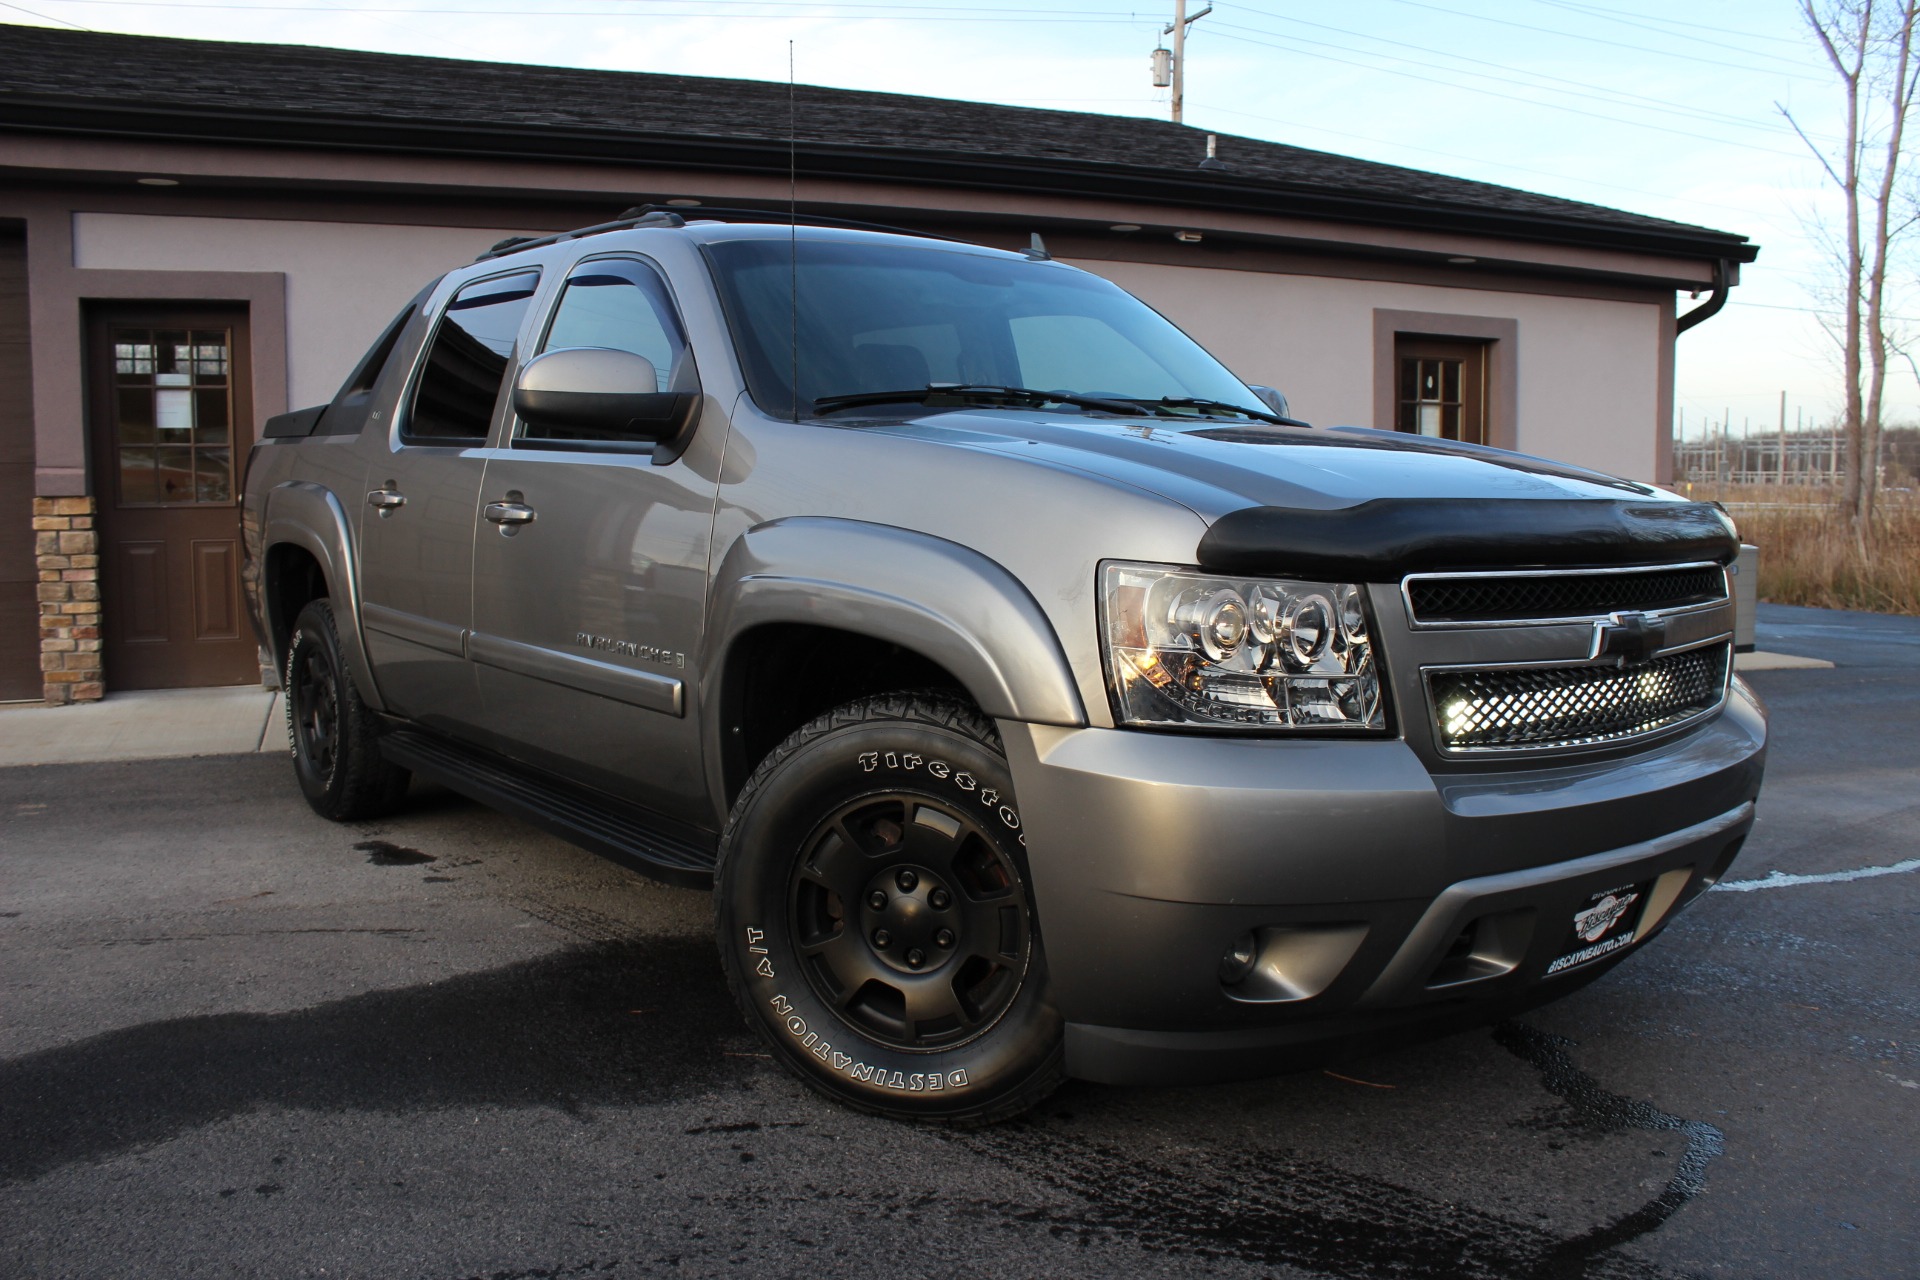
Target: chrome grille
1535,707
1532,597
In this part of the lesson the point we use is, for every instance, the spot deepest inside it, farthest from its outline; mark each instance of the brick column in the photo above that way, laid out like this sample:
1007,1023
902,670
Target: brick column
68,549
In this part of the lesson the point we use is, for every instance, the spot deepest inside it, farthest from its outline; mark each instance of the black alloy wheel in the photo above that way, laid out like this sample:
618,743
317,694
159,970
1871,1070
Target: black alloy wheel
909,920
875,920
333,735
314,709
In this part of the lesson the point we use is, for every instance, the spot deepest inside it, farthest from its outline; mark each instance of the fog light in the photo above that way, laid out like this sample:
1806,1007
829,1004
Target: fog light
1238,960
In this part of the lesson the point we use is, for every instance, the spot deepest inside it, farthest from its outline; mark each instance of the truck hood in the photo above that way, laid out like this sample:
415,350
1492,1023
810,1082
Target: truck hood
1352,498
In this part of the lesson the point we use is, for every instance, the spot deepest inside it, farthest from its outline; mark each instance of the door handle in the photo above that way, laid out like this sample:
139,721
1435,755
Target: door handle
386,501
509,515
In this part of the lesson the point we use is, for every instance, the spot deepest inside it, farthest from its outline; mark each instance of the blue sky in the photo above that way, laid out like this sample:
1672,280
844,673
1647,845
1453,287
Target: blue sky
1664,109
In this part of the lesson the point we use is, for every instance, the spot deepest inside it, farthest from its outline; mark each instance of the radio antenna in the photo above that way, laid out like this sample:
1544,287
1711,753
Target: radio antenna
793,234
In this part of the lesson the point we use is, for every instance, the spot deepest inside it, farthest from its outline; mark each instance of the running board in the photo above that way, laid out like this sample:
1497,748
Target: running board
654,847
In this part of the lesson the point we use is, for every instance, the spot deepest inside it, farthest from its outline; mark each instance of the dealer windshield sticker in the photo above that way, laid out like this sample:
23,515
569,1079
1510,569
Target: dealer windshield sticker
846,1065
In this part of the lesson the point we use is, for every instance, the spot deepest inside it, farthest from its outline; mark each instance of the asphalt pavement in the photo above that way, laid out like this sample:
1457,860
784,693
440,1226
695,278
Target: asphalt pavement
238,1040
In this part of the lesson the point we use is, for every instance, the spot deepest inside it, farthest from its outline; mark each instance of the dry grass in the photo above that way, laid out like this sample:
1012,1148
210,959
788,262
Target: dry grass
1808,557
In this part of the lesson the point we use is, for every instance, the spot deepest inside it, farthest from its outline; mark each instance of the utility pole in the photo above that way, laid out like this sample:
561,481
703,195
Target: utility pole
1178,30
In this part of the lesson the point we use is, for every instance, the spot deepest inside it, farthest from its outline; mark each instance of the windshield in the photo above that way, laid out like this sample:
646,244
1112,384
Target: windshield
876,318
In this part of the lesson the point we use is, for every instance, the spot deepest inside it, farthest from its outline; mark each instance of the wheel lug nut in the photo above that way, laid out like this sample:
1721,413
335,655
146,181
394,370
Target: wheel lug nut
916,958
882,939
939,899
944,938
877,900
906,880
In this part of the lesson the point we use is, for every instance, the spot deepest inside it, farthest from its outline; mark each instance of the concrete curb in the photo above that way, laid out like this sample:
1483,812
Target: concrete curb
155,725
1760,660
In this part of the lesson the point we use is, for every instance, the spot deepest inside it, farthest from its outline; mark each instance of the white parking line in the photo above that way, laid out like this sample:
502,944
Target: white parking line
1780,879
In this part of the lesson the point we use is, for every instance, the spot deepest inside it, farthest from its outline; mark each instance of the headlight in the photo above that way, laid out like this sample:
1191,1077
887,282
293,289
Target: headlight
1192,649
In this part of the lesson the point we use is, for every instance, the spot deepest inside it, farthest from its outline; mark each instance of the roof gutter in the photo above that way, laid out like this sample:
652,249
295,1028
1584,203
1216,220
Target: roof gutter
1711,307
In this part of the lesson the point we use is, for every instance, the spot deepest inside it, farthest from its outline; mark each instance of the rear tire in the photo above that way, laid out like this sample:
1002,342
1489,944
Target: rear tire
875,920
332,734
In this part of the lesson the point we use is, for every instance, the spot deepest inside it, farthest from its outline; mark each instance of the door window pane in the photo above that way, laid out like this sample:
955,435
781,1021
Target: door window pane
621,305
468,359
1433,406
171,389
138,483
212,475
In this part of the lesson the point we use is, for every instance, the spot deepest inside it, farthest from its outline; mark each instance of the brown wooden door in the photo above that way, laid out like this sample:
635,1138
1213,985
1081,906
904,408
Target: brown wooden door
171,419
1442,388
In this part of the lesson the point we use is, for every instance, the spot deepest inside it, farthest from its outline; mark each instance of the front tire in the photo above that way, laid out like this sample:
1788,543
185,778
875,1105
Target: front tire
333,735
875,919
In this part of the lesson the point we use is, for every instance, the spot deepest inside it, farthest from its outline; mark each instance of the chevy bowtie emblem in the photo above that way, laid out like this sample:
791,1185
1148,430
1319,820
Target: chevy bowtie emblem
1629,638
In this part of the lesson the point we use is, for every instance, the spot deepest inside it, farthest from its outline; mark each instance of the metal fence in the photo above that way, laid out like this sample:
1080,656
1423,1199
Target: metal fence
1795,458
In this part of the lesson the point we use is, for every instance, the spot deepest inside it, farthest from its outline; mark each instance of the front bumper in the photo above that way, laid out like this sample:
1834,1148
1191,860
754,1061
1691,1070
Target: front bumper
1359,870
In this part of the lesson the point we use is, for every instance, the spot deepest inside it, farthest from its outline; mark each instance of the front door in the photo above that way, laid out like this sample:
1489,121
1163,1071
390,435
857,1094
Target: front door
588,608
171,421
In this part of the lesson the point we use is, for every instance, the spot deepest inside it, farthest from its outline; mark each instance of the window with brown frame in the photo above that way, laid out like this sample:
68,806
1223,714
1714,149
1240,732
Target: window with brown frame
1441,387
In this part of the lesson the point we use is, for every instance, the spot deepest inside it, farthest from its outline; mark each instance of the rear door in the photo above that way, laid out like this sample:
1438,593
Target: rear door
423,495
588,602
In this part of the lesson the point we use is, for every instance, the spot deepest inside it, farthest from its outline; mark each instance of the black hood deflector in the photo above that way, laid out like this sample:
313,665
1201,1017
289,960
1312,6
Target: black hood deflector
1379,541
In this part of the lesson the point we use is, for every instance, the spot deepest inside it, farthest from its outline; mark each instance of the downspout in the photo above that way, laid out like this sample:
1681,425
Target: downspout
1711,307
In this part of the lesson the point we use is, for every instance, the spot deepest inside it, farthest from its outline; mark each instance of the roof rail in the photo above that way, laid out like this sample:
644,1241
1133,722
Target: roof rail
659,215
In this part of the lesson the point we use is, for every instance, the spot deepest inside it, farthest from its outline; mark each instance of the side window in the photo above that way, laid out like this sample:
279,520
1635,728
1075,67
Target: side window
468,358
622,304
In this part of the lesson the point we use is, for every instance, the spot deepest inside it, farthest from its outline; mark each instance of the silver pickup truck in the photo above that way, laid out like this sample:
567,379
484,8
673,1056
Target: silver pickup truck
1038,699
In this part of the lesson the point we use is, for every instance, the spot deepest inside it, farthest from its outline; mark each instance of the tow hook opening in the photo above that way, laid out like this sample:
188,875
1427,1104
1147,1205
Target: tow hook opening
1488,946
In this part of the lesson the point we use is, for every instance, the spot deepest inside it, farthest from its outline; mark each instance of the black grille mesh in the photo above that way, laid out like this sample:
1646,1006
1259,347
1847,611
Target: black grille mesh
1561,595
1569,706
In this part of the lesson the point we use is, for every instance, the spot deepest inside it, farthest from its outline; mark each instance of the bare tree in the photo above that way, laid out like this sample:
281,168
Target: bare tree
1869,44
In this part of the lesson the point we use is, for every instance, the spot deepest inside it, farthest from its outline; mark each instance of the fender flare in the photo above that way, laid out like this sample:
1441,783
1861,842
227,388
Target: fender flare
310,516
944,601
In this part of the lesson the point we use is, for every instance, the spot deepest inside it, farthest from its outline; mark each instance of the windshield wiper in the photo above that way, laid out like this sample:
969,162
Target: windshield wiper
974,391
1196,402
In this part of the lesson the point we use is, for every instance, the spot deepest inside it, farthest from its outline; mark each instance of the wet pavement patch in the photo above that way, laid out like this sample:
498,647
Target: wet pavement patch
1280,1209
383,854
1605,1112
548,1032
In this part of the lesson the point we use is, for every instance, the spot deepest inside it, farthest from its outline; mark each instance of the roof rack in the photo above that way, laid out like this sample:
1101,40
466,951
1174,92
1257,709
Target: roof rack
659,215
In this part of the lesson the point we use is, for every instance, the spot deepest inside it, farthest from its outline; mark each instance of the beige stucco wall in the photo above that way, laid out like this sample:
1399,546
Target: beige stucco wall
1588,370
344,280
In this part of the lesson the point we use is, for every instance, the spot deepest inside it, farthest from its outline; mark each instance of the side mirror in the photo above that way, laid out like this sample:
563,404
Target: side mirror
1272,399
599,398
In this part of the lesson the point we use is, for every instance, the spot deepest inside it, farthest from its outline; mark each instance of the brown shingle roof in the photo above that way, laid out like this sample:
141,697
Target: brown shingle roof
54,80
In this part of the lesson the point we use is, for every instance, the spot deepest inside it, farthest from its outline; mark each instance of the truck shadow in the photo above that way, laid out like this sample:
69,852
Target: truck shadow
612,1023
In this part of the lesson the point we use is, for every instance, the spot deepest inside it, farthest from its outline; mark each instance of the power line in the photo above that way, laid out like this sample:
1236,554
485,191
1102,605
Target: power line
1456,155
1495,93
1615,15
1632,101
44,17
1116,18
1693,58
